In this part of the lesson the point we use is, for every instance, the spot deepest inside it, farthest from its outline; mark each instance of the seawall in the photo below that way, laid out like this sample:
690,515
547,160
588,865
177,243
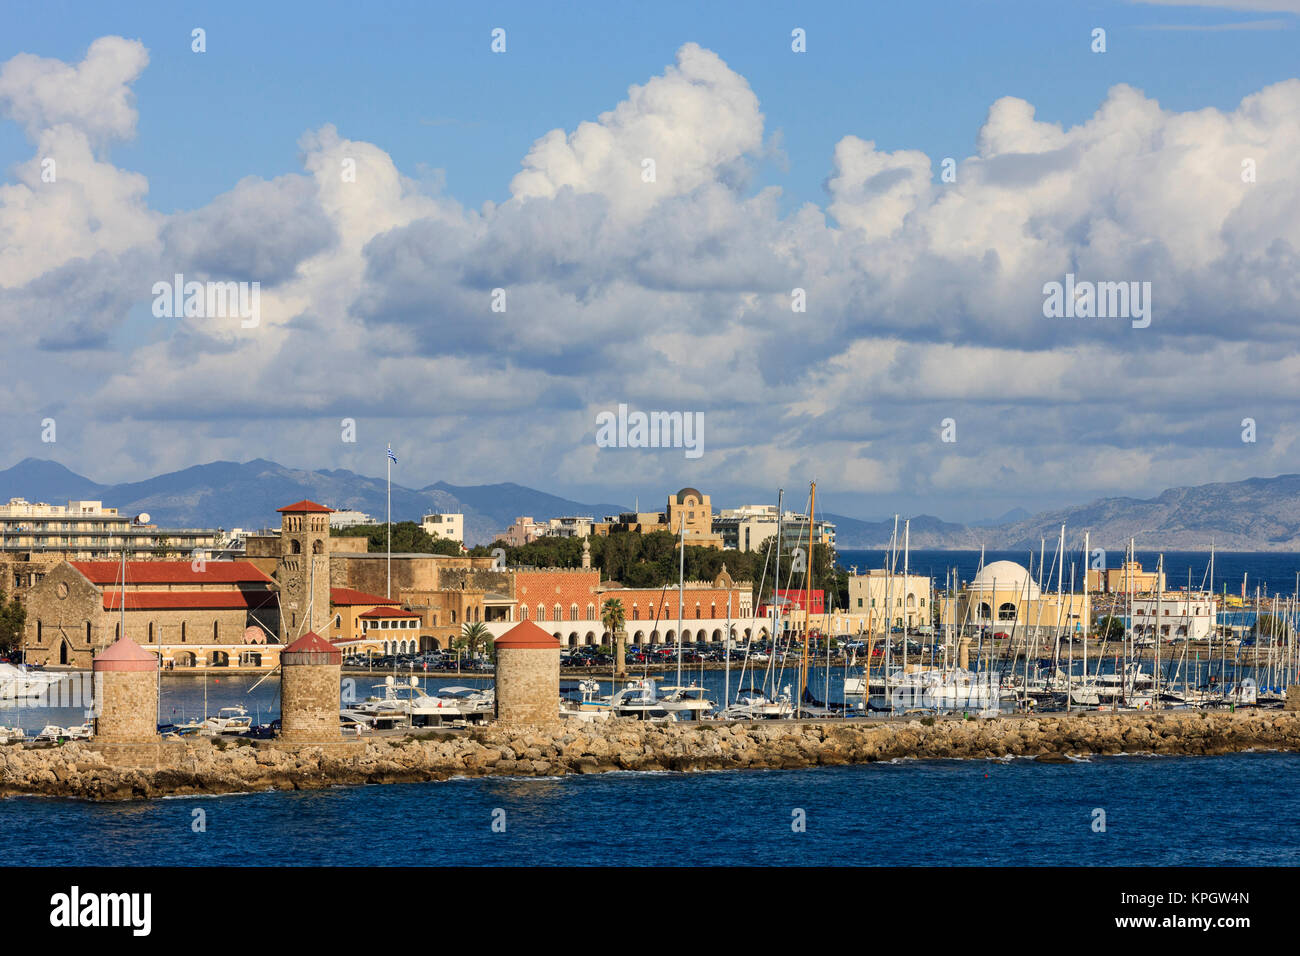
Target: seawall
81,771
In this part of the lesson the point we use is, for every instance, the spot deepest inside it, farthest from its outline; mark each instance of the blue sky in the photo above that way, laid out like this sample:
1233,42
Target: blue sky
418,78
817,170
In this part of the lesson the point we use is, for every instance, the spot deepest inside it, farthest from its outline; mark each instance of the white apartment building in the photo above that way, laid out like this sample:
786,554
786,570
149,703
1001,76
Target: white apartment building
1174,615
747,527
86,530
450,526
894,599
349,519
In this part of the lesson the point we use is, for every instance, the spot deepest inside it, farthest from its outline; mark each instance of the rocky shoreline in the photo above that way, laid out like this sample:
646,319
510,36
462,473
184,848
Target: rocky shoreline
198,767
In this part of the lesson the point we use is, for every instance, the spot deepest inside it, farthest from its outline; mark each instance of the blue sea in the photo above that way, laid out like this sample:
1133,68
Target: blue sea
1158,811
1273,571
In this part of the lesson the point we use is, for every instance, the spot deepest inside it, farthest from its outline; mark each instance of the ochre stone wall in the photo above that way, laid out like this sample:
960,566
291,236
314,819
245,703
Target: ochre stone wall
528,685
309,708
127,705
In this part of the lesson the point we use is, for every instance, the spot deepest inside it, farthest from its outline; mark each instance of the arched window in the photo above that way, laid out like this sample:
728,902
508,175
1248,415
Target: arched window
698,615
985,611
216,632
541,612
558,612
295,546
318,546
573,612
591,612
636,613
1006,612
523,613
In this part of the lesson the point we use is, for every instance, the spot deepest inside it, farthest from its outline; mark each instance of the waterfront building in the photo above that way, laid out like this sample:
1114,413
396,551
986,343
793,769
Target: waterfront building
892,599
1173,616
87,531
217,613
449,526
1003,597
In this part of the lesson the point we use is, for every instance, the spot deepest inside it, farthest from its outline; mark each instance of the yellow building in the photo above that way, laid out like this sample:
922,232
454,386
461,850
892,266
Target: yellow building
1128,578
1003,597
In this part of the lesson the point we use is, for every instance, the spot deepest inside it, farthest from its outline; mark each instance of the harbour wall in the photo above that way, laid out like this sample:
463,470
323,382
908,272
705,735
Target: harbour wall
84,771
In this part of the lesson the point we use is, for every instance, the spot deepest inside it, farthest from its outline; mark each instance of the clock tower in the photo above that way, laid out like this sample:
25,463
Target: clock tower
303,573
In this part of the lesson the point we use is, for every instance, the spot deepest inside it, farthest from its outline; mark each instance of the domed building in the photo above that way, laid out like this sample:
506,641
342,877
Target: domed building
1004,596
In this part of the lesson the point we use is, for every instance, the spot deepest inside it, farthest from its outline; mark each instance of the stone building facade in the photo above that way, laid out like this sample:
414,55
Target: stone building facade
187,613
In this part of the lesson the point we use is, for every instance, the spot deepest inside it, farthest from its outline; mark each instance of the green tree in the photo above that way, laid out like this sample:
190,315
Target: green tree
13,617
613,617
1271,626
1110,628
474,634
408,538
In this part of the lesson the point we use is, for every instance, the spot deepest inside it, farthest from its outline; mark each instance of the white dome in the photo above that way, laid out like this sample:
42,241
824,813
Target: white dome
1008,576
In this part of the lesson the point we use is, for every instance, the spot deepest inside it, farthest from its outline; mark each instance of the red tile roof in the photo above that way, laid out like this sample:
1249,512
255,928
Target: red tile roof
171,572
306,505
181,600
527,634
389,612
349,597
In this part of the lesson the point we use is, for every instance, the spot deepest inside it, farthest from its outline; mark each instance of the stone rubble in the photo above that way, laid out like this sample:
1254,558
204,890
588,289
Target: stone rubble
78,770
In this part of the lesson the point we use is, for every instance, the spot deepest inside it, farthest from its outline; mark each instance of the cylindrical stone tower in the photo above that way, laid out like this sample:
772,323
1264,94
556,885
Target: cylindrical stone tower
126,693
309,690
528,676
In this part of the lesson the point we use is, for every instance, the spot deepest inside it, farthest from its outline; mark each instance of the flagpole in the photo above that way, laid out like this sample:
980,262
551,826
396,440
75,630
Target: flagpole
389,460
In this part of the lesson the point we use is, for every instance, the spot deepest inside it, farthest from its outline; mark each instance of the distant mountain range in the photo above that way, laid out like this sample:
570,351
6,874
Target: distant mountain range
227,494
1258,514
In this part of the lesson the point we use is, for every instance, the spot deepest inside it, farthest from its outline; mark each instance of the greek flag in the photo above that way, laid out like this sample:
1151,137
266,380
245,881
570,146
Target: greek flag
391,456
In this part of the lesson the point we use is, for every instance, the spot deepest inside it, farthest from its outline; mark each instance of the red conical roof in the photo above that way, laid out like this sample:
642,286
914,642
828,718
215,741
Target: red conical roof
307,650
527,634
124,654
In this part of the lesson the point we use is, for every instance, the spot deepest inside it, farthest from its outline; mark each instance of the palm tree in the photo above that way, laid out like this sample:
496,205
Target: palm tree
613,617
475,634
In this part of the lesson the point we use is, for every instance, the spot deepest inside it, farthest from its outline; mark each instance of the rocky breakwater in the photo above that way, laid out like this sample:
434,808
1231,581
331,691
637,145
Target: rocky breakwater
78,770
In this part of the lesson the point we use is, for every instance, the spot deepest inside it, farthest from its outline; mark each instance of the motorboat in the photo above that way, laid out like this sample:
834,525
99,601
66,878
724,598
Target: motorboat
943,690
53,732
687,702
396,705
229,720
752,703
587,705
638,701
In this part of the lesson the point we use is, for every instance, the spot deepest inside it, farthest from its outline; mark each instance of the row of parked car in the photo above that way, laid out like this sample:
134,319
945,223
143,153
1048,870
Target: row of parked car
415,663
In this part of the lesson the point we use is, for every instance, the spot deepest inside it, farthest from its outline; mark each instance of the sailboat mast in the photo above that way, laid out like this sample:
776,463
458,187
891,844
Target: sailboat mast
681,583
807,595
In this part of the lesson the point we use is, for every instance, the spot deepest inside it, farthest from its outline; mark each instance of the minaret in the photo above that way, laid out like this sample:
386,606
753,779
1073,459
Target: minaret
586,554
304,570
